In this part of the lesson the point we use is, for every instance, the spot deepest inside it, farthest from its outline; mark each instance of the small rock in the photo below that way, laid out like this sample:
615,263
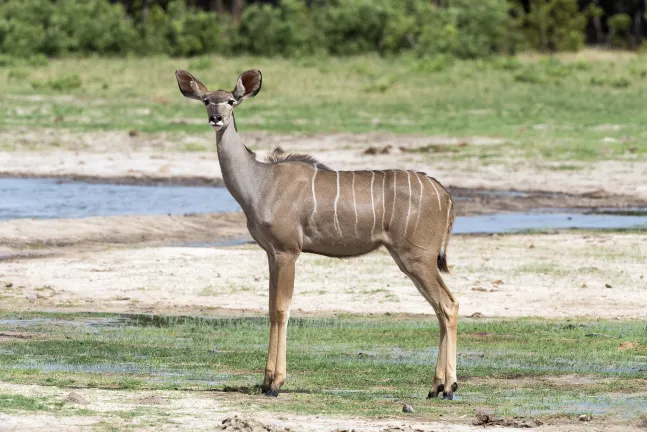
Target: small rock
480,289
585,418
532,246
643,422
31,297
74,397
497,282
133,133
407,408
476,315
608,285
9,284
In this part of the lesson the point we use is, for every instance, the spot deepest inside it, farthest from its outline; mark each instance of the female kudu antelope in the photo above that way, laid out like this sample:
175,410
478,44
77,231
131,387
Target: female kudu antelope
295,204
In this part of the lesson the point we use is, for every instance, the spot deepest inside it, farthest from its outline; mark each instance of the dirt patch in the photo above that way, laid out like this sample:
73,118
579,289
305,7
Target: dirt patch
483,201
544,275
152,400
9,336
487,418
53,233
242,424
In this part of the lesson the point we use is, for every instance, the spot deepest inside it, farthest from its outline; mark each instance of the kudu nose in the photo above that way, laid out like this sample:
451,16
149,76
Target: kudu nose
213,120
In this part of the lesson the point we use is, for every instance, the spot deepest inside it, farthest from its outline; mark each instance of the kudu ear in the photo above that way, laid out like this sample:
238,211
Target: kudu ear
189,85
248,85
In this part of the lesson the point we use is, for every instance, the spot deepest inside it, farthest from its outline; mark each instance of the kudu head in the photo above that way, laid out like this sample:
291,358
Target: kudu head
220,104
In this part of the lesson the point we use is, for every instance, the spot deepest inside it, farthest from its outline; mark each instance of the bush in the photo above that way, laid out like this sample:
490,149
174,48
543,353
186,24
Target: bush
64,26
287,29
464,29
353,26
554,25
181,31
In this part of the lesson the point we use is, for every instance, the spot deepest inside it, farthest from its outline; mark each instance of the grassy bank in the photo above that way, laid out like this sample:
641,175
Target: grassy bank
585,107
351,365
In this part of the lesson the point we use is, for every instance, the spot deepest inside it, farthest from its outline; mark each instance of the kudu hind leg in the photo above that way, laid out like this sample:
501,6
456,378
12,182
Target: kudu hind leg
438,384
449,306
422,273
281,288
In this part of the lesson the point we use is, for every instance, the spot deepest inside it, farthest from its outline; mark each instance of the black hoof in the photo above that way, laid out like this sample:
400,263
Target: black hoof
454,387
448,395
434,394
271,393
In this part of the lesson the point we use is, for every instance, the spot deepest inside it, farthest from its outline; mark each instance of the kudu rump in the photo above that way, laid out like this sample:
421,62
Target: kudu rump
295,204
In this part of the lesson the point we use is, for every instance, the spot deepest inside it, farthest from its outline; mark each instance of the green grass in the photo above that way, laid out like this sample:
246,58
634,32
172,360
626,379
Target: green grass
569,110
10,402
350,365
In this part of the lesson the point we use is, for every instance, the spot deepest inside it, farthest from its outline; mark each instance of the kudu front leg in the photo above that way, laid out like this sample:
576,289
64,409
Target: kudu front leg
281,288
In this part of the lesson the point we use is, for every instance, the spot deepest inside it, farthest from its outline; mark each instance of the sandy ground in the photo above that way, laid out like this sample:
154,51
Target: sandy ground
561,275
117,156
128,264
190,411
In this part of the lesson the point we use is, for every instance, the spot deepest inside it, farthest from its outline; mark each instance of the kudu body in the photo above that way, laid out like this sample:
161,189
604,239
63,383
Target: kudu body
295,204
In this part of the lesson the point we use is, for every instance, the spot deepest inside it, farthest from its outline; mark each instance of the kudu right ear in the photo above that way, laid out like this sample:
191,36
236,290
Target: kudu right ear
189,85
248,85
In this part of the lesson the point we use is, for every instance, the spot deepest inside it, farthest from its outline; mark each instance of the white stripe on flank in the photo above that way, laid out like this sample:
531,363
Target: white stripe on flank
406,225
355,205
336,222
314,197
419,204
442,245
394,197
372,201
383,197
437,194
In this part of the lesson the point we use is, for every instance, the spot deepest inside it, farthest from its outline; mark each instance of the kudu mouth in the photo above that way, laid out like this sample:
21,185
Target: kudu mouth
215,121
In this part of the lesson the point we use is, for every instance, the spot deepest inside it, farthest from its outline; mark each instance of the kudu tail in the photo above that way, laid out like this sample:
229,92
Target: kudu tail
442,256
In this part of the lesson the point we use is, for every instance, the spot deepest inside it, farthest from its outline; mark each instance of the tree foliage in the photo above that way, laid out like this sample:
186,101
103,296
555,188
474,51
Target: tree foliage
457,28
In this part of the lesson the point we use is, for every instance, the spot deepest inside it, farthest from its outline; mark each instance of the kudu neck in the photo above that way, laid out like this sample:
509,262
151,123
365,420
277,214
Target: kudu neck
242,173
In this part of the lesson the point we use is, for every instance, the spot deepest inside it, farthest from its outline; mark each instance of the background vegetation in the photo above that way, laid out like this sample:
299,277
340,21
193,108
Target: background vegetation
461,28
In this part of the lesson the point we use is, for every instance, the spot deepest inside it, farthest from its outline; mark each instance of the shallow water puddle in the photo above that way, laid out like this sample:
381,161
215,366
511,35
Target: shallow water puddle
50,198
515,222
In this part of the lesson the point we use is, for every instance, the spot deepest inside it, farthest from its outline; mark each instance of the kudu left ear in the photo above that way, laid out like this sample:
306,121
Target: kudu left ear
248,85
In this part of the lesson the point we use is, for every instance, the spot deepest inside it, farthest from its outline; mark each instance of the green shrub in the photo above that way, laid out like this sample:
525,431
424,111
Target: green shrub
554,25
287,29
55,28
353,26
463,28
619,26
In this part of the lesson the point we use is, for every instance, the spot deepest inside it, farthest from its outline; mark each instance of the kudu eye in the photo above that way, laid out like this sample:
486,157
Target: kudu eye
206,102
231,102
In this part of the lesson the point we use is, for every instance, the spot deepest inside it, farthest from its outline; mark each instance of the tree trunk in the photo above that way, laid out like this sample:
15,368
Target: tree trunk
145,4
217,6
236,10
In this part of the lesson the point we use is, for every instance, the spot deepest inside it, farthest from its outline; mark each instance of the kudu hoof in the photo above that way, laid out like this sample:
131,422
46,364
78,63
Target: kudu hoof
271,393
450,394
434,394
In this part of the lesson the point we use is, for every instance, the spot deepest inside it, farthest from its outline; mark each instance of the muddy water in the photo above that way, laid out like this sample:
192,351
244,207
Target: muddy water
49,199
